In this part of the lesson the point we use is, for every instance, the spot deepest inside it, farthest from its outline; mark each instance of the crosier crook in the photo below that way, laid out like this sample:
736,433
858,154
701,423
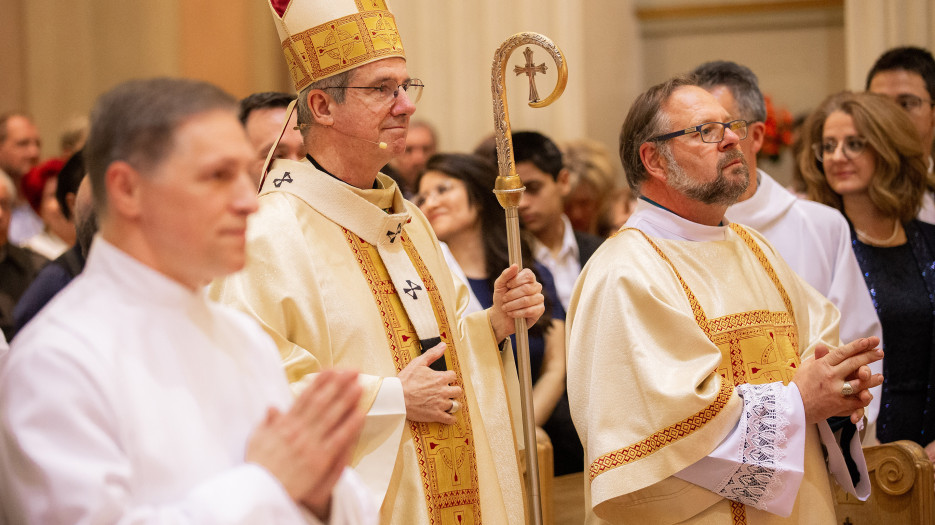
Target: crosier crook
509,189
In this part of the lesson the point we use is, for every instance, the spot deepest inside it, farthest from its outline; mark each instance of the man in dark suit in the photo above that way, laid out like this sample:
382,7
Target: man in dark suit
556,245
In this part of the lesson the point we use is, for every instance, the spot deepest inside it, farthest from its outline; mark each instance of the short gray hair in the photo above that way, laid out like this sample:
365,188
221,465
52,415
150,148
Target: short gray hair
741,82
304,113
645,120
136,122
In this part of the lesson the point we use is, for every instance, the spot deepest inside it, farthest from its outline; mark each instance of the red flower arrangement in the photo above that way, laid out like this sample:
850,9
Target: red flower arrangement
778,134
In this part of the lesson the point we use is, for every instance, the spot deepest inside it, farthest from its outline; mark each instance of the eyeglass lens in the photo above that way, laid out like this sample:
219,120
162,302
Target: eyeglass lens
714,131
437,191
911,103
412,87
851,146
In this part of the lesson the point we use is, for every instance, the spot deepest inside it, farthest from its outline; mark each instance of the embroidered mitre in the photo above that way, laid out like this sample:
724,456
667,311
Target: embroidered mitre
321,38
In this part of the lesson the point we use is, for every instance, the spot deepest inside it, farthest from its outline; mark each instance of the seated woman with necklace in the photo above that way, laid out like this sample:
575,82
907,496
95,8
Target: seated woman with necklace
865,160
456,195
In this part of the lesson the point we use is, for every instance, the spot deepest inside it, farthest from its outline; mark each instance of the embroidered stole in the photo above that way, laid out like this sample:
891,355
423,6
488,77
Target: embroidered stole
447,458
335,200
757,347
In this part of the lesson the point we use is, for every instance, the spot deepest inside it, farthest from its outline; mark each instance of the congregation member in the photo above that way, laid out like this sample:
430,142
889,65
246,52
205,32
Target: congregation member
594,187
556,244
39,186
865,160
18,266
73,136
907,75
421,144
263,115
812,238
19,153
133,397
342,271
718,366
73,193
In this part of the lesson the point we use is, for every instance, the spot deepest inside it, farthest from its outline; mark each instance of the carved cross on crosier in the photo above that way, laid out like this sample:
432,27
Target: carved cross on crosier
530,69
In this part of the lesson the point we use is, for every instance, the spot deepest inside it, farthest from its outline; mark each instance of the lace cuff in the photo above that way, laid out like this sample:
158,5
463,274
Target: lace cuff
758,477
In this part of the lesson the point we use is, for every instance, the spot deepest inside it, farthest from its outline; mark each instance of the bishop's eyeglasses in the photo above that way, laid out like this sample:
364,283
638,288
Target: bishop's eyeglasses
388,90
711,132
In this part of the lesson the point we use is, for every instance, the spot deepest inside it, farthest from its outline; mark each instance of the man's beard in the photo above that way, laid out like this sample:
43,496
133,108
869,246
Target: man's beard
722,190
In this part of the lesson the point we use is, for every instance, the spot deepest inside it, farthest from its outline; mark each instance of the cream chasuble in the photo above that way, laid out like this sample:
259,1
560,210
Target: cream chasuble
663,333
349,278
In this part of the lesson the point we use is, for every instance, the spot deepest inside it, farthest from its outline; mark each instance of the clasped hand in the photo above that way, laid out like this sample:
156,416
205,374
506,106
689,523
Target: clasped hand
820,380
307,447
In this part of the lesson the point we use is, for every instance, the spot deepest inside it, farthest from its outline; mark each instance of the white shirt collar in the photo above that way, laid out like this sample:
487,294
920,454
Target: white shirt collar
770,202
138,279
569,246
657,221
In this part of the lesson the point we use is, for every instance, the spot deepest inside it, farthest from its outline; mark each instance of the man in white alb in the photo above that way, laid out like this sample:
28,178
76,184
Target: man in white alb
132,398
812,238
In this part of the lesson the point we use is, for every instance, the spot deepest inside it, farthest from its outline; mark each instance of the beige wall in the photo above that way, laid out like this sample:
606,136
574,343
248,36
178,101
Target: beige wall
58,56
450,45
12,58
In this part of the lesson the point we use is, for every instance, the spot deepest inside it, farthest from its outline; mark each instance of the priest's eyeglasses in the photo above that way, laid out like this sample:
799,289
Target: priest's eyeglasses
711,132
388,90
850,146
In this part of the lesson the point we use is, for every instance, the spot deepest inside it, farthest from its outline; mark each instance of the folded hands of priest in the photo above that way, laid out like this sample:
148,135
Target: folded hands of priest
836,381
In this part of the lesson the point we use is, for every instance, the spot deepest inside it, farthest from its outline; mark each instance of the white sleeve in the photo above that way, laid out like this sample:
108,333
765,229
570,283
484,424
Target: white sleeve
64,459
837,464
380,438
762,461
350,504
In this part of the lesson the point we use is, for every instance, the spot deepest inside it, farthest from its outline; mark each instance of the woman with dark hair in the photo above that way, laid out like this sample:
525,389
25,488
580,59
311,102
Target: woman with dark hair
455,194
865,160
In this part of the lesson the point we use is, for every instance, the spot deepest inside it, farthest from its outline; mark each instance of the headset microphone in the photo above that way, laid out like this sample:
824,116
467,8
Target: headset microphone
381,144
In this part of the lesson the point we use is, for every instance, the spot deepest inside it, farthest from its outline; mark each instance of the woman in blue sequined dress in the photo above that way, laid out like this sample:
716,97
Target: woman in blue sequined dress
867,162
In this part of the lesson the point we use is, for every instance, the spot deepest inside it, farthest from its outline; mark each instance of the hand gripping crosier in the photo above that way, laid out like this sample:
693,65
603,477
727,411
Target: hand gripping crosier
509,189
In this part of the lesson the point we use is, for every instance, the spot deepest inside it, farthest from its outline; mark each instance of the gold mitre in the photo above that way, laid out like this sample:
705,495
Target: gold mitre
321,38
